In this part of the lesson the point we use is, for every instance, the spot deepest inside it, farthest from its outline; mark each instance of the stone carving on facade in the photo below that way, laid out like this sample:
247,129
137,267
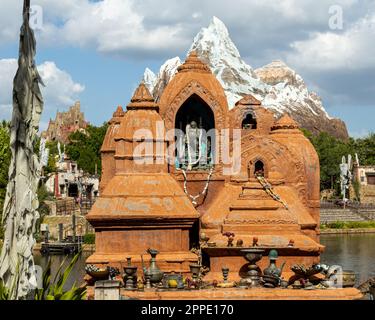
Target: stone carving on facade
193,88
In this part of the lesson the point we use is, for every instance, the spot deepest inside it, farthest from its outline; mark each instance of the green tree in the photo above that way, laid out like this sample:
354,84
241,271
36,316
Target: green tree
84,148
52,158
330,151
365,147
5,156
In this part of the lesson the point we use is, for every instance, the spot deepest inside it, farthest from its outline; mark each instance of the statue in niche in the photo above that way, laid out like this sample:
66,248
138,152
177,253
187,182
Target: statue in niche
193,140
196,147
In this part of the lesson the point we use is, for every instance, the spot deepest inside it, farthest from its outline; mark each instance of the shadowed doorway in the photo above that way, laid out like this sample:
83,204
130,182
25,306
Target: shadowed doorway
194,120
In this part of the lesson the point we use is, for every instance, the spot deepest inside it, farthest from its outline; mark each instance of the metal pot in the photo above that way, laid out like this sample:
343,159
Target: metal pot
155,274
348,279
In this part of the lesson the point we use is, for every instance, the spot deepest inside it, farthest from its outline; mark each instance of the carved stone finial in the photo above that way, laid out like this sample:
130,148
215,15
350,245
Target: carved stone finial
194,64
285,122
119,113
142,99
249,100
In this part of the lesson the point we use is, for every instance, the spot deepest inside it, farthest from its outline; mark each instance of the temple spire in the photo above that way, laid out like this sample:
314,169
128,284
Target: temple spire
142,99
194,64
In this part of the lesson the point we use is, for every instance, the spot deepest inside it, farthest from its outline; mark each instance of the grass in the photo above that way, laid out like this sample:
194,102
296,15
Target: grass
349,225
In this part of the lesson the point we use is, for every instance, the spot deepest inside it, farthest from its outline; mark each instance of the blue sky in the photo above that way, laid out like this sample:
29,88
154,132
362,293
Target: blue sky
96,51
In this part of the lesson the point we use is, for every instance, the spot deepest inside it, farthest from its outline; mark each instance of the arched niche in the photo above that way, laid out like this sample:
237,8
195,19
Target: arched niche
194,134
195,109
249,122
193,88
276,158
257,166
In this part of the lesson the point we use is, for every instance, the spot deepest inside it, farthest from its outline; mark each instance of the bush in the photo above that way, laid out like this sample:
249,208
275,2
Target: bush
349,225
357,190
89,238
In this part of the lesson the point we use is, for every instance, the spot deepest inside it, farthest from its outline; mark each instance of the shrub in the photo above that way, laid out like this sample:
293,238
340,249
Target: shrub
89,238
53,289
349,225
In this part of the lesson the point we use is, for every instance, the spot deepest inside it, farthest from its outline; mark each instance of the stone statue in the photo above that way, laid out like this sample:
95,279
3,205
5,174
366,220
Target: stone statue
43,153
193,142
61,154
345,175
357,160
20,213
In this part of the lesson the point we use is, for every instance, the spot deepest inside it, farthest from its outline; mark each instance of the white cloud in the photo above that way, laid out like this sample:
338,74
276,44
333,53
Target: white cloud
110,26
149,26
60,90
8,68
114,26
264,30
352,49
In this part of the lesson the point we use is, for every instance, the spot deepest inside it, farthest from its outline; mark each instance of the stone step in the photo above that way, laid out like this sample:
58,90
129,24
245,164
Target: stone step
342,218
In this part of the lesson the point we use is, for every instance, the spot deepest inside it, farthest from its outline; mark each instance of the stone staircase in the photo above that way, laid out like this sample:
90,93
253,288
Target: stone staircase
368,214
336,215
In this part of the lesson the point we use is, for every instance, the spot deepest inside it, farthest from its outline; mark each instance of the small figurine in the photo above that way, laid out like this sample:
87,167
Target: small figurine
333,277
255,242
204,239
140,284
239,243
225,271
230,236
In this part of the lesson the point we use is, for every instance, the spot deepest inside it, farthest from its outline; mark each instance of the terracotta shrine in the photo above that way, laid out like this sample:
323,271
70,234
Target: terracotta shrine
271,201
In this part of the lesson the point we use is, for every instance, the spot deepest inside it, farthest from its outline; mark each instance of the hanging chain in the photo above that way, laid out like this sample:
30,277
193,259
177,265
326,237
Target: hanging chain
269,190
203,193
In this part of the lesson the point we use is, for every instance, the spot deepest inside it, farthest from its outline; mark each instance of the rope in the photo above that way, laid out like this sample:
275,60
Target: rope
269,190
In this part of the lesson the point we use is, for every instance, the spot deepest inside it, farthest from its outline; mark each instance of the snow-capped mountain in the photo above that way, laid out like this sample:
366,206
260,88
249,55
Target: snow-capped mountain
156,84
277,86
150,79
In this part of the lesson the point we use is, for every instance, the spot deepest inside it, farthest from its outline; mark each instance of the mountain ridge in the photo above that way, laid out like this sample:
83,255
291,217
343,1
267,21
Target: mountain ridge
276,85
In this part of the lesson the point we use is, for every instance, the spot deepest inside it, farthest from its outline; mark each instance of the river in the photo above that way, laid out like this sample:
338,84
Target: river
352,252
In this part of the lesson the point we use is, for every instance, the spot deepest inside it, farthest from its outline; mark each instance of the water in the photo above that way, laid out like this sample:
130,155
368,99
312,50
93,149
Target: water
77,273
352,252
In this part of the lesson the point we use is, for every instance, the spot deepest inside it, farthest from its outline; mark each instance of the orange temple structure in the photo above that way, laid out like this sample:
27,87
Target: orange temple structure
272,201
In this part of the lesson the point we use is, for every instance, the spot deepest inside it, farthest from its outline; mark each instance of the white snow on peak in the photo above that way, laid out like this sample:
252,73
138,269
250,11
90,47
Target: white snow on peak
216,35
289,90
157,83
276,85
169,68
150,79
214,45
